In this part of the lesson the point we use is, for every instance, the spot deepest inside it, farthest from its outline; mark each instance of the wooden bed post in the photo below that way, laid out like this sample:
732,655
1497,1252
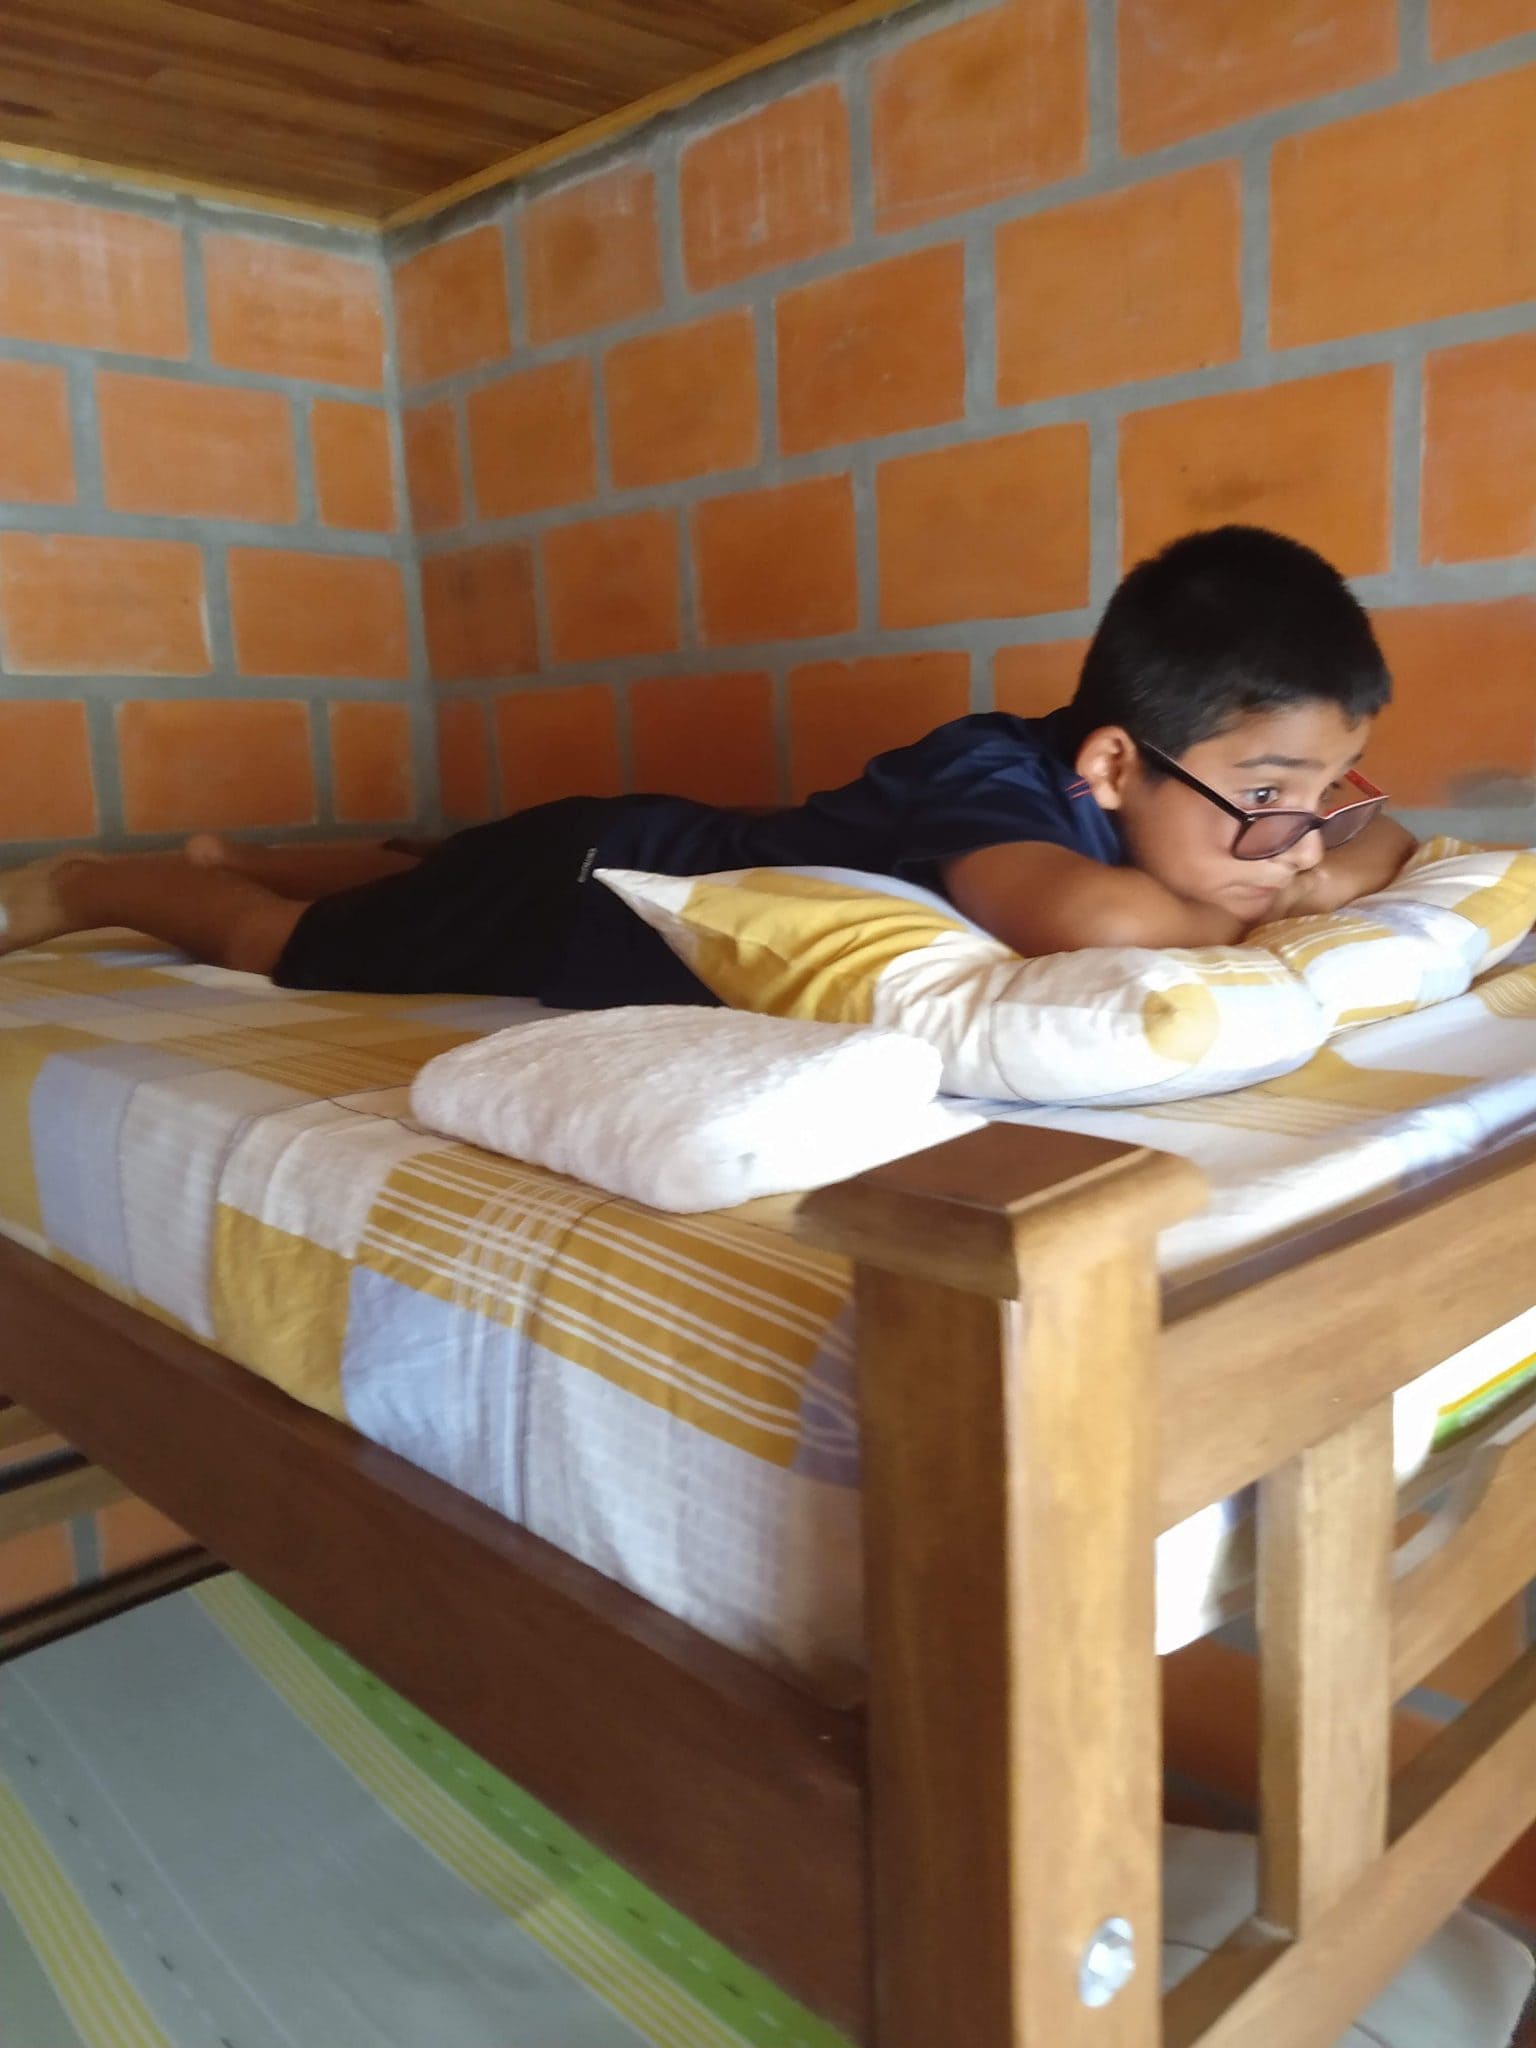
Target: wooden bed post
1008,1314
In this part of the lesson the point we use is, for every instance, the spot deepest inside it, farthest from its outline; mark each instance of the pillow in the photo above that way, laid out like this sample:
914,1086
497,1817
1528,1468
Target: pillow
1102,1027
1099,1027
1454,912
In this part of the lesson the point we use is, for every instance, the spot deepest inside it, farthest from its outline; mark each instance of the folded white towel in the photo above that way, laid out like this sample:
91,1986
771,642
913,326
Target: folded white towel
688,1108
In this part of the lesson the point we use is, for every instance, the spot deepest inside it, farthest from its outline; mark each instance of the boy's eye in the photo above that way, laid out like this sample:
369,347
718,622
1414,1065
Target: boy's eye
1260,799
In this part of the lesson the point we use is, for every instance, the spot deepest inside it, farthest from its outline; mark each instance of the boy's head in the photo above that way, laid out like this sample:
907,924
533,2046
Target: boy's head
1243,657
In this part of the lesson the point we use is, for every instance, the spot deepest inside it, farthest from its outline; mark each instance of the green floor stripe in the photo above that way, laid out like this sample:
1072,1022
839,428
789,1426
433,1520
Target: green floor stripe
737,1995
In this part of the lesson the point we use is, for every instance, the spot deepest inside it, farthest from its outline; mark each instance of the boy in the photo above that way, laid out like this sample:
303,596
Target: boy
1202,781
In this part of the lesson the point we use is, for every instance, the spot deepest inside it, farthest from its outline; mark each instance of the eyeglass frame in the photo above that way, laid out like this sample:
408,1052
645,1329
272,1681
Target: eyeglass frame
1374,801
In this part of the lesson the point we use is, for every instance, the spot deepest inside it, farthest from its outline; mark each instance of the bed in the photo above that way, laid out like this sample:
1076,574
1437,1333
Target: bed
920,1810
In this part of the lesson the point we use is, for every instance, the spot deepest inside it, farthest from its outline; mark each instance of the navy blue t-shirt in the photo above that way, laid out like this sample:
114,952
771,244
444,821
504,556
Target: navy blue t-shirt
977,781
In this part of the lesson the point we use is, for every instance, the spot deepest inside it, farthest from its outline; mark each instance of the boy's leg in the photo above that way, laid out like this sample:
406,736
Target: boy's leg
305,872
225,919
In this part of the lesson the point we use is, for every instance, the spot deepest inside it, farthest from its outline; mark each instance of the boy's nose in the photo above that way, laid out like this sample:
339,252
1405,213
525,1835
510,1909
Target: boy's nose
1306,853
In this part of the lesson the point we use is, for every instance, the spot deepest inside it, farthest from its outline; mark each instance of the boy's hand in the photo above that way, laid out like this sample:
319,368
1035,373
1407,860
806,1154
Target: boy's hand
1365,865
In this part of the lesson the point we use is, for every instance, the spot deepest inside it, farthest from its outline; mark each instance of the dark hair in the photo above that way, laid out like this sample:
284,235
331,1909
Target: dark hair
1220,624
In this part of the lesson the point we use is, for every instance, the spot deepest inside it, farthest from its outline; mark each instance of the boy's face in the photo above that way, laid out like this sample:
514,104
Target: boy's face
1292,760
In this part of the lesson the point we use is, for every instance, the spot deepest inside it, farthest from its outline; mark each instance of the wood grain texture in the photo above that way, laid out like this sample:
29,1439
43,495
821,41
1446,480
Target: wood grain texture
1455,1809
1334,1322
1007,1325
365,110
1326,1525
1477,1553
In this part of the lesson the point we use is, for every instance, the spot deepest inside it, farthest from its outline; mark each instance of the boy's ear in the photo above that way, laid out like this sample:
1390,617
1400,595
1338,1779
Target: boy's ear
1109,762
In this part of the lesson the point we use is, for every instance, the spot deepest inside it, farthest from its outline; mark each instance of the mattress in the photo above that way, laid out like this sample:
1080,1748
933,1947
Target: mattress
667,1398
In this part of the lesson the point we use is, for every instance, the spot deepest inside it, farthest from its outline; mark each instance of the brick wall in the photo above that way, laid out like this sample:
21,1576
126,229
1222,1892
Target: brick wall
823,411
207,595
837,405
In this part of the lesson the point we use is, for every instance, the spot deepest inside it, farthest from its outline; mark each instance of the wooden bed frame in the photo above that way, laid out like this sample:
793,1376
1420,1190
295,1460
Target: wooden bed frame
972,1861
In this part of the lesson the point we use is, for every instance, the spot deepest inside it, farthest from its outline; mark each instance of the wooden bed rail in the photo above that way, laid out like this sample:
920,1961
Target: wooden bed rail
1009,1487
1335,1320
1029,1424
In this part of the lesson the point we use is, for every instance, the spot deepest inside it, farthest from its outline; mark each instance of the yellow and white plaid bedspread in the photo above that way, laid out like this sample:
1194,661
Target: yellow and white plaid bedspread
668,1398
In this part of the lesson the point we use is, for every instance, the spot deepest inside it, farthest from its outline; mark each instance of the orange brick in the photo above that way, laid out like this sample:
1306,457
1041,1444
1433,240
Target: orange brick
1413,213
299,614
371,770
709,737
772,189
1030,681
479,613
354,472
463,760
1187,66
612,586
1463,711
1311,459
1141,283
979,109
37,463
532,441
553,743
591,255
90,278
294,312
1463,715
130,1532
451,307
432,470
46,787
843,713
72,603
985,531
1456,26
684,402
35,1566
1480,451
778,564
198,450
220,762
873,351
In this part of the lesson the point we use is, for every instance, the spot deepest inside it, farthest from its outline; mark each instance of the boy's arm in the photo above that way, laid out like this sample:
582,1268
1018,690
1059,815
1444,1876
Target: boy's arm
1039,899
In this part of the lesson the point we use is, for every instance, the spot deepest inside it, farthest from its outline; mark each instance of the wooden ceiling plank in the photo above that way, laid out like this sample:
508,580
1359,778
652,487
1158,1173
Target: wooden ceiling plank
188,111
152,36
225,144
177,117
532,45
852,14
246,188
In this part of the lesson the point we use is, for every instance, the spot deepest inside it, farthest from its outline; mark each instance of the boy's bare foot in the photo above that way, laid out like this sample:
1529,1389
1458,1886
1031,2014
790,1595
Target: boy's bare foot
31,912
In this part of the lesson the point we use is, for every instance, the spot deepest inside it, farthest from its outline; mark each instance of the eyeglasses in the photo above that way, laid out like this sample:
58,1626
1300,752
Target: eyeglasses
1262,835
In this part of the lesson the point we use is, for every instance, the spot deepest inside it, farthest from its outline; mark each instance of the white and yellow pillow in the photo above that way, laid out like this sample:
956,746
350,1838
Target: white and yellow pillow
1091,1027
1454,912
1104,1027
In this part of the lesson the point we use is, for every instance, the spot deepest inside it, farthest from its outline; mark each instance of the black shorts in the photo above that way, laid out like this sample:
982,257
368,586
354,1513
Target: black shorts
488,913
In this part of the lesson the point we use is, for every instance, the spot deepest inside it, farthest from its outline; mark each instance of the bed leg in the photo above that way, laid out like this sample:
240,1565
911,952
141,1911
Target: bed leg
1009,1491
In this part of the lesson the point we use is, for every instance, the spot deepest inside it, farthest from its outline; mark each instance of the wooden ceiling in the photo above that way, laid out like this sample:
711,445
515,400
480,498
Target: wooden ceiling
367,108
